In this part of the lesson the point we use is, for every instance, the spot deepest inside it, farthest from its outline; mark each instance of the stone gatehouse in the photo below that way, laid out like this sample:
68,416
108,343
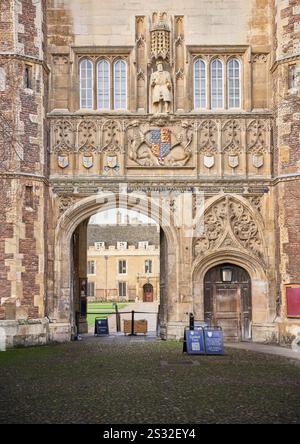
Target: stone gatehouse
198,97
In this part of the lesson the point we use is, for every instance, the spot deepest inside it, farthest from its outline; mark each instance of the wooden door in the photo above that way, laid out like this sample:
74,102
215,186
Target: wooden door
226,301
148,293
228,305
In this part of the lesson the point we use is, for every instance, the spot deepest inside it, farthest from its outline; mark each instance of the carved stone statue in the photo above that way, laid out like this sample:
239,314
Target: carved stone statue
161,85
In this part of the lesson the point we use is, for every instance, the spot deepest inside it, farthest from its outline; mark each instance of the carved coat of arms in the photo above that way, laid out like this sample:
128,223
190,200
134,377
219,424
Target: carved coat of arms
258,160
209,161
111,163
233,161
161,146
63,160
88,161
160,143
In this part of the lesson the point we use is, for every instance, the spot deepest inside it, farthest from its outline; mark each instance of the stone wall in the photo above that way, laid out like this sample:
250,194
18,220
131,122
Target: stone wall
23,164
287,154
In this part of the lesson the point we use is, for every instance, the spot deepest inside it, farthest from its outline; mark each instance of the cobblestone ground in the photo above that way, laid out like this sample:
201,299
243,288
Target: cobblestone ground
142,381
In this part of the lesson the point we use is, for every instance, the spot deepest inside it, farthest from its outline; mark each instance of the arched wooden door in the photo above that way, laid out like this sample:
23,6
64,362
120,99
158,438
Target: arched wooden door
228,301
148,293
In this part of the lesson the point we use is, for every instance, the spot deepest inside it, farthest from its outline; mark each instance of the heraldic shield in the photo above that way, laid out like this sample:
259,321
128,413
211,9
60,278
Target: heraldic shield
258,160
233,161
88,161
63,160
209,161
161,143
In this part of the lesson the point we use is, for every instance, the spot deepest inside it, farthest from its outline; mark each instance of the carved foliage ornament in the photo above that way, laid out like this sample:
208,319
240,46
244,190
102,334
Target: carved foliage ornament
229,221
232,137
208,137
256,137
65,202
111,136
87,134
63,135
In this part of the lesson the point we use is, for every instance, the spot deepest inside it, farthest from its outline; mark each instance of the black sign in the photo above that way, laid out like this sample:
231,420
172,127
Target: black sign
214,341
101,327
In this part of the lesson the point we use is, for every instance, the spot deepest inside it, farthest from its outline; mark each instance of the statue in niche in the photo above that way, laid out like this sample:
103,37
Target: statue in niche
161,86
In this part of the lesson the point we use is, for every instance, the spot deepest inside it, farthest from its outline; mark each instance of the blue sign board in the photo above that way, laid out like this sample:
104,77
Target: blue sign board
194,342
214,342
101,327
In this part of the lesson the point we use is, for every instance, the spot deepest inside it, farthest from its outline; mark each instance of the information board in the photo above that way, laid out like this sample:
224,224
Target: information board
194,342
101,327
214,341
293,301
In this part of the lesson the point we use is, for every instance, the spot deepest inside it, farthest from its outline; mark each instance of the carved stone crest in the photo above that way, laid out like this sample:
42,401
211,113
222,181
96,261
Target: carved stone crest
164,146
63,160
111,164
258,160
88,161
233,161
209,161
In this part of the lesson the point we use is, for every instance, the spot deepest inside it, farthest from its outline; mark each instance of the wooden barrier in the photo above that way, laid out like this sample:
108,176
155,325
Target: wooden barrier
140,327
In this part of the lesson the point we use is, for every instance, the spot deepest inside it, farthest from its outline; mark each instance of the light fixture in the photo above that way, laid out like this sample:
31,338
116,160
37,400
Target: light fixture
227,274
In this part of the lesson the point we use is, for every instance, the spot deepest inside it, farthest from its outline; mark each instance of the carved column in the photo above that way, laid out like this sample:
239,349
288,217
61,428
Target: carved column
141,65
179,64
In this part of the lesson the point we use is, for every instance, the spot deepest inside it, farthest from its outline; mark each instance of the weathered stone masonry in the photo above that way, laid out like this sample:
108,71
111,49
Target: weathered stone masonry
23,168
287,150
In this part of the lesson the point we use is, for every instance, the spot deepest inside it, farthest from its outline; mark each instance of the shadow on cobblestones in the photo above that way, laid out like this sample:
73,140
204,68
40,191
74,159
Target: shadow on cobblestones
103,381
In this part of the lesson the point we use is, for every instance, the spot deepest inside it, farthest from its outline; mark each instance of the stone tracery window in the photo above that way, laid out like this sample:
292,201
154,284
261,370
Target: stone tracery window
105,80
234,83
86,84
217,88
200,84
120,85
218,83
103,84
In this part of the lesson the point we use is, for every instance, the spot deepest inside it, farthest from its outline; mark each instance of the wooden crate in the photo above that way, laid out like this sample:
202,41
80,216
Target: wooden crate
139,327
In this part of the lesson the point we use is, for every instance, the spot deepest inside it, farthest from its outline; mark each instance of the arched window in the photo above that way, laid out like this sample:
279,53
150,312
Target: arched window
234,84
200,84
217,91
120,84
103,84
86,84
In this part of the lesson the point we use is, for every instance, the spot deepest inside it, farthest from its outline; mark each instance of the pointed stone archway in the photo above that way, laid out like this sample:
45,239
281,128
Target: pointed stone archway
71,228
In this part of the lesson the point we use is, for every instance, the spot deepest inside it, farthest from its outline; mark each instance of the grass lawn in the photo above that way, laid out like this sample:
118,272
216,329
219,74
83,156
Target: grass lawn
99,307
